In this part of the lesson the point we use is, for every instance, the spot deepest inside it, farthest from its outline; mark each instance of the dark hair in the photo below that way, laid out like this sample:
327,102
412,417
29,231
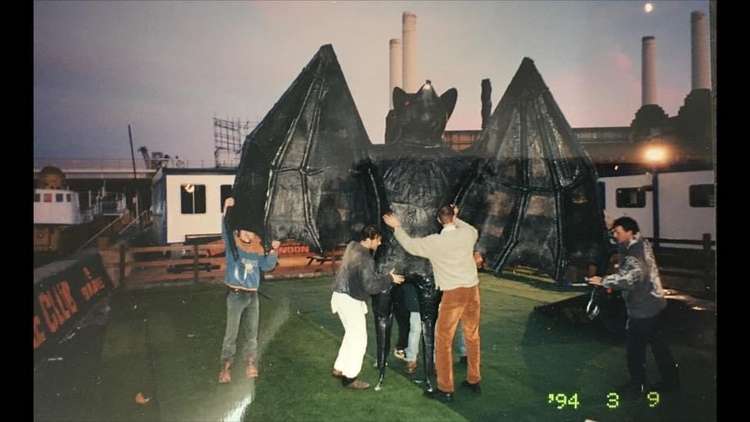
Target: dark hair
445,214
627,224
370,232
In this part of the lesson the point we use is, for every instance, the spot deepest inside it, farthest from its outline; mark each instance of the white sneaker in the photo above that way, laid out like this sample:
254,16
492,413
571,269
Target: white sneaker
400,354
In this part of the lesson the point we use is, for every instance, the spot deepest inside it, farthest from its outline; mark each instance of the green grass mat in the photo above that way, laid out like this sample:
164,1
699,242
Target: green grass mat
166,344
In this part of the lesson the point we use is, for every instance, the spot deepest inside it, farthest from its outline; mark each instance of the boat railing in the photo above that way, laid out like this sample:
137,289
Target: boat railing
102,231
118,163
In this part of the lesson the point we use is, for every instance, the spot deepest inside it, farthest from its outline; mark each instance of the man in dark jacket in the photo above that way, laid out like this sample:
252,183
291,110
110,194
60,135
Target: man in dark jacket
638,279
356,280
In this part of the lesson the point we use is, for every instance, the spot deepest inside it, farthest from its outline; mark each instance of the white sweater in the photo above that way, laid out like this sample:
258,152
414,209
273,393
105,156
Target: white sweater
451,254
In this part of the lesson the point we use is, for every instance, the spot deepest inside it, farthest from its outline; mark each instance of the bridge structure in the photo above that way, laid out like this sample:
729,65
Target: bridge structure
110,168
90,176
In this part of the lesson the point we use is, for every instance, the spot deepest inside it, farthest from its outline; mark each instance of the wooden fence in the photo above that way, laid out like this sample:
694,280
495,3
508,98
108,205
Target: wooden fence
158,264
696,264
205,263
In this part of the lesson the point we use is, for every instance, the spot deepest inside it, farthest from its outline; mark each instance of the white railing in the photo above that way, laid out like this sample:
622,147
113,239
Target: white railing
114,163
87,216
138,220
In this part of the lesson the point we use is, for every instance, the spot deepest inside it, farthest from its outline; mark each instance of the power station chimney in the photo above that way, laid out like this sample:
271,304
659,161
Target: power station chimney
409,37
648,71
486,102
395,67
700,51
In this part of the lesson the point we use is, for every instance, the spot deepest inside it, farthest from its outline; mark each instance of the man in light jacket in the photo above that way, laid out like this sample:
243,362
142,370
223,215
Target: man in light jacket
638,279
451,254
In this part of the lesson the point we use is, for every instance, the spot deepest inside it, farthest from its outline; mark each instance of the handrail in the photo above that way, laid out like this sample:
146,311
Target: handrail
169,248
115,163
135,220
100,232
706,241
681,241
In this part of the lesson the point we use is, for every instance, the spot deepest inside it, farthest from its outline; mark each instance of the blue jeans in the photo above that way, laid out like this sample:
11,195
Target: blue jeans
241,304
415,334
459,340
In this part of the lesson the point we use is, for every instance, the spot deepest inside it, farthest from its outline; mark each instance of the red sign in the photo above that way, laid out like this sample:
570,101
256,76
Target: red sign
61,299
294,249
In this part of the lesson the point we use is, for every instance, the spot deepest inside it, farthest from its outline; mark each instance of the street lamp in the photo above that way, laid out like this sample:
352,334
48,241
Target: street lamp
655,155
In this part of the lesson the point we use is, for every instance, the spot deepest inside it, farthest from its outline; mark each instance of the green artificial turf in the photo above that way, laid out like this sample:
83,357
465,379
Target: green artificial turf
166,344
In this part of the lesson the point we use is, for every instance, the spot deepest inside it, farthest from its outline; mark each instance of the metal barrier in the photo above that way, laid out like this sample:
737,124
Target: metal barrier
114,163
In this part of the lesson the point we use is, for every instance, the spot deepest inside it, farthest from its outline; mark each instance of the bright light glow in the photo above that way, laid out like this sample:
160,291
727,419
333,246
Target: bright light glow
189,188
648,8
235,414
656,154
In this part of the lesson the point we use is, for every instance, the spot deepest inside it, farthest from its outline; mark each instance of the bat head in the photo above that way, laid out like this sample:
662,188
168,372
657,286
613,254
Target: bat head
421,117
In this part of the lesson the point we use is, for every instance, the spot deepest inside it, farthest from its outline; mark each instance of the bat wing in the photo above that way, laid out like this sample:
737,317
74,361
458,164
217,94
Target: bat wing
531,192
302,168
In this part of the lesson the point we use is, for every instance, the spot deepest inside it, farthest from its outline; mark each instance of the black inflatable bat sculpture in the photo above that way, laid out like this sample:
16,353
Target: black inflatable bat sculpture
308,172
418,173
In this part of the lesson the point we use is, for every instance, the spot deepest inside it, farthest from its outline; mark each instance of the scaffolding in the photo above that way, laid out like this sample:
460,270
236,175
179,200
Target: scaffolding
228,138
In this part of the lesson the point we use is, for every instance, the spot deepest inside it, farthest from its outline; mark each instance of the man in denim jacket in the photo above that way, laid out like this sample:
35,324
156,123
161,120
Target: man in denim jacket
242,277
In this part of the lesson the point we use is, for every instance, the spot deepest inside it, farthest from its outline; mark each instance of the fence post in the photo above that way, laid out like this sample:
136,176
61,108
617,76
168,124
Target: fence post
122,263
708,261
195,263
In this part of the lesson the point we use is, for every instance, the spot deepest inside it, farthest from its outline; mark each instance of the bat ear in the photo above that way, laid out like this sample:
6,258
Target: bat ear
400,98
448,99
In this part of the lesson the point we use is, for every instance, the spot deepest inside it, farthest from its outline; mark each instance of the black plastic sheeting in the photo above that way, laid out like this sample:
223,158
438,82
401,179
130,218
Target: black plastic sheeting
531,191
306,174
416,175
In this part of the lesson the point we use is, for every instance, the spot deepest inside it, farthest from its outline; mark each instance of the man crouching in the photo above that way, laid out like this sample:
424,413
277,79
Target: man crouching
355,281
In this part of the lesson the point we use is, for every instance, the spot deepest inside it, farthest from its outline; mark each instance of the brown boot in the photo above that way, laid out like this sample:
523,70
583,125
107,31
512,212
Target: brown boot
225,376
358,384
411,367
251,371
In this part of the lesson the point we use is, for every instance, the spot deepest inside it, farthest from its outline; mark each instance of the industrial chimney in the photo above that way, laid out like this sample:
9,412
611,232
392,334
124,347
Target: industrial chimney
648,71
409,37
650,118
395,67
700,51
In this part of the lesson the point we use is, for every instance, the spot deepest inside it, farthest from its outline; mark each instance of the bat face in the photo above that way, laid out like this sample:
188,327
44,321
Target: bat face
421,117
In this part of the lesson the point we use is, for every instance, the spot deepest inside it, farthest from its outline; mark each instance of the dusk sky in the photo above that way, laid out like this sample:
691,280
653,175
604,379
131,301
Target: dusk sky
169,67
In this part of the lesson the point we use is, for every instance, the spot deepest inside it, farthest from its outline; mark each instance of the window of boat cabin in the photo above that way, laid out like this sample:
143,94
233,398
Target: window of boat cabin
58,197
702,196
193,198
226,192
67,197
37,197
630,198
47,197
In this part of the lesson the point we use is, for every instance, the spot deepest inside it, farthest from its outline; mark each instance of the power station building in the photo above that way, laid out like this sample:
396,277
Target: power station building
683,141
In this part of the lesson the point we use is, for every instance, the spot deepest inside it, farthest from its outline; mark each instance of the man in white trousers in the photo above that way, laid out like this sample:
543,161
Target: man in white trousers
355,281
